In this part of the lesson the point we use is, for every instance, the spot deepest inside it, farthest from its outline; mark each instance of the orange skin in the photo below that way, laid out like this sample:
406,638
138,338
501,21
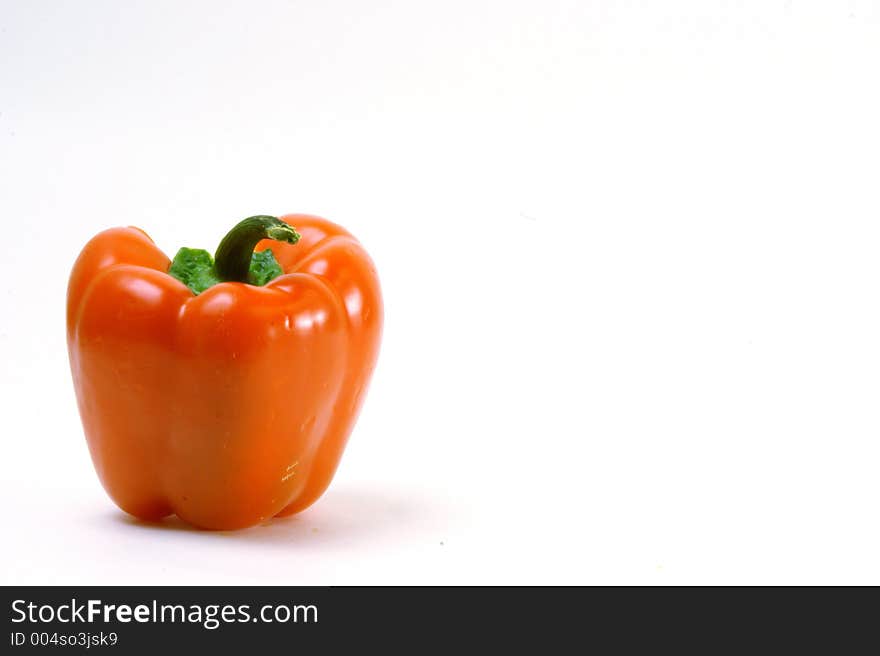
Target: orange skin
229,407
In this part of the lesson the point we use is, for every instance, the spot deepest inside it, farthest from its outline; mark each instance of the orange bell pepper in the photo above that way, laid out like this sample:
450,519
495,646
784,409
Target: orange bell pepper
207,392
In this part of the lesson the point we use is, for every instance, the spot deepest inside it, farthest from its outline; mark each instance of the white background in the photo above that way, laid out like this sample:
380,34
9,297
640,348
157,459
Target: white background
628,251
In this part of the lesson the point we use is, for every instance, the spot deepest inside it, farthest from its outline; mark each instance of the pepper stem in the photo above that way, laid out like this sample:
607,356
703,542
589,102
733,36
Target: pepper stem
233,257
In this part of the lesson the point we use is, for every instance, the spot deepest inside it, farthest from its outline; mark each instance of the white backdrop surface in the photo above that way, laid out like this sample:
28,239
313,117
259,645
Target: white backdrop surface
628,251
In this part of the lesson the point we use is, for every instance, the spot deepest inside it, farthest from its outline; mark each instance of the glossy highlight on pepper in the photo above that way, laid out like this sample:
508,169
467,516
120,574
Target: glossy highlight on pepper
234,404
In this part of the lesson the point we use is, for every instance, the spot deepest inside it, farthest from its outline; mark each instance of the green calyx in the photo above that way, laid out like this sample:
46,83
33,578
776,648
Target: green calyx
235,259
194,267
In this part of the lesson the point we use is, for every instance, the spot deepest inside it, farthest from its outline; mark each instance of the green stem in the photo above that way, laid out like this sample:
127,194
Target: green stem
233,257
